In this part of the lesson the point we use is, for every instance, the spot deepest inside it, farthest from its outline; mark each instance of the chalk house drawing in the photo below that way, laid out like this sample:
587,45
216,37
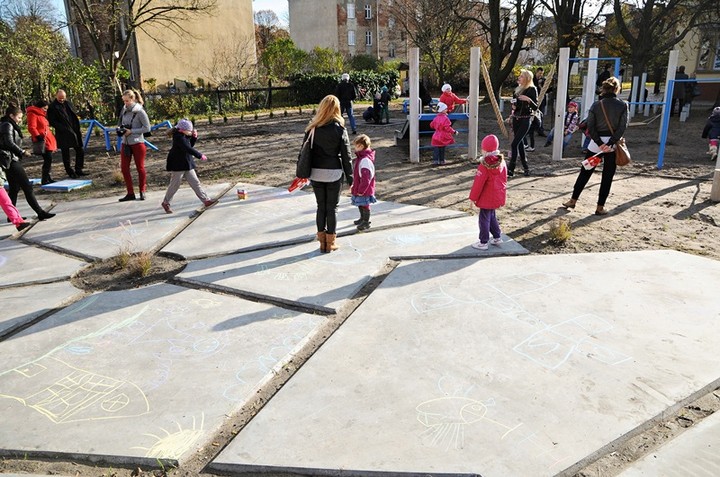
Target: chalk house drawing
173,445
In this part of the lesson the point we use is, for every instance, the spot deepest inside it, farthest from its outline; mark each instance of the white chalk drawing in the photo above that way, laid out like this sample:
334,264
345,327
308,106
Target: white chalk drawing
552,346
178,340
64,393
173,445
279,349
447,419
295,269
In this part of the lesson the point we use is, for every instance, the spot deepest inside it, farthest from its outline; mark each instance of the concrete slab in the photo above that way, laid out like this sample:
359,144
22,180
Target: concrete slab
695,452
8,229
99,228
161,367
273,216
501,366
324,282
21,305
23,264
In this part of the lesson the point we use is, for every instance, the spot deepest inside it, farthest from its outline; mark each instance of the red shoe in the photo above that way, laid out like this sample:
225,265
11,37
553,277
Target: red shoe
167,208
209,203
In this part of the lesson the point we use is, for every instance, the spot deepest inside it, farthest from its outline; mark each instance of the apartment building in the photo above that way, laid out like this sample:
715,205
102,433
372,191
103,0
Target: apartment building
352,27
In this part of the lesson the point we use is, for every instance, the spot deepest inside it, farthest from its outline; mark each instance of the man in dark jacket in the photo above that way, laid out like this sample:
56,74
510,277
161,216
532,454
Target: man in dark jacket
64,119
345,92
679,91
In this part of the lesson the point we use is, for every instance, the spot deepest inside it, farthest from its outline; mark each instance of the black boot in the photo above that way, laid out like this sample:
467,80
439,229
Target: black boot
47,165
365,217
359,221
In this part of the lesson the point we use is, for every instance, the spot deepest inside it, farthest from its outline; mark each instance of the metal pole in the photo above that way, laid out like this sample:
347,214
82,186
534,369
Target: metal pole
665,121
473,99
562,88
414,116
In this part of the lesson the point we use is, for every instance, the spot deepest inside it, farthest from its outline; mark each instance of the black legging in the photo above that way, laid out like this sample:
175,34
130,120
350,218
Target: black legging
47,164
521,126
608,173
18,179
327,195
79,159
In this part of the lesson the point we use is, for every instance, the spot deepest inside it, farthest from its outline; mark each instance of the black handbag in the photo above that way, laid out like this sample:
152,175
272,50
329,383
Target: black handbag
303,169
38,147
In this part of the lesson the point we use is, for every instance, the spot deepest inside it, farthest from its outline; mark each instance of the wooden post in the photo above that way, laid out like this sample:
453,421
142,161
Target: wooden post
562,89
415,104
473,100
667,109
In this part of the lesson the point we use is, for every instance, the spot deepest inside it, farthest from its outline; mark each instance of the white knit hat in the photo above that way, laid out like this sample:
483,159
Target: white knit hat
446,87
345,77
441,107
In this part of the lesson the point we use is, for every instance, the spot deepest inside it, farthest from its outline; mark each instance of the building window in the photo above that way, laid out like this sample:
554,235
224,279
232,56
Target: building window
709,58
351,37
368,38
368,11
402,36
391,23
391,51
351,10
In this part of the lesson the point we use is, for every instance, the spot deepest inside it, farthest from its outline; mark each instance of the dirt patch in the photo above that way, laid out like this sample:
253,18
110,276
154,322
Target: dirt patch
126,272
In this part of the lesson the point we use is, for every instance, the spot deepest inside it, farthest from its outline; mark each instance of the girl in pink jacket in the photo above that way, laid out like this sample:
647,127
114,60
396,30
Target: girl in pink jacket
443,135
489,191
363,186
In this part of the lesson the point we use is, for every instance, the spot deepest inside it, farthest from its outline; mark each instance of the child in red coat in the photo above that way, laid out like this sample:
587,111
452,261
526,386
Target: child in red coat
363,186
489,191
443,135
450,98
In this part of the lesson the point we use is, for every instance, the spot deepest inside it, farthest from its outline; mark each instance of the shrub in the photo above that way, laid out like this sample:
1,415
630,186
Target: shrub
311,88
560,231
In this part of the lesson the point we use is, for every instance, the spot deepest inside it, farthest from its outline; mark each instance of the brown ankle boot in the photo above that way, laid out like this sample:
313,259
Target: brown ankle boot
330,244
321,239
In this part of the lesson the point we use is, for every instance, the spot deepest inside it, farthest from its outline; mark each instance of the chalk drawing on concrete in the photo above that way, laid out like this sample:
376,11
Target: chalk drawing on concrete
178,339
296,269
279,350
173,445
552,346
64,393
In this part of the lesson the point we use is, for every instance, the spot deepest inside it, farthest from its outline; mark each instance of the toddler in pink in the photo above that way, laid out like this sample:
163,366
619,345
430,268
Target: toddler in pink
443,135
363,185
489,191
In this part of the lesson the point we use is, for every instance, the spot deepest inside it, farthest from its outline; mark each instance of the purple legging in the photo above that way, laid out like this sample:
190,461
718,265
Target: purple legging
488,224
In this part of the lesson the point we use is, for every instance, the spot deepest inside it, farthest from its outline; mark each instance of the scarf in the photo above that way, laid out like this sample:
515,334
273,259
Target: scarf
8,119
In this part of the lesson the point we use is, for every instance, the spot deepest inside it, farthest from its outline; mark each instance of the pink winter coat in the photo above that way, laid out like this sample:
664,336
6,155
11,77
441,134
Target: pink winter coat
443,135
490,185
451,99
364,173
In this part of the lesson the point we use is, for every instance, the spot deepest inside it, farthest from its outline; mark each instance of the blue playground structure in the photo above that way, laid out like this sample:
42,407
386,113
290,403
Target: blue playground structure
92,124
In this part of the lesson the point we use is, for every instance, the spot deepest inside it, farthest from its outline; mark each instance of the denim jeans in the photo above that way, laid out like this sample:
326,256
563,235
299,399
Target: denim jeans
438,155
348,107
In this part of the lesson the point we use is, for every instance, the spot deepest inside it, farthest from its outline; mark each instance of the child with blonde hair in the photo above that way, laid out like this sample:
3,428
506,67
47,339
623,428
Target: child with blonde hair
488,192
363,184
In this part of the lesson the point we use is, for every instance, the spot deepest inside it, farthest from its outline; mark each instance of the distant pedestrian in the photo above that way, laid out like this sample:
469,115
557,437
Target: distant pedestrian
62,116
443,135
345,92
12,153
385,99
489,192
679,91
450,98
606,123
603,76
711,131
133,125
180,164
363,186
330,160
44,143
539,80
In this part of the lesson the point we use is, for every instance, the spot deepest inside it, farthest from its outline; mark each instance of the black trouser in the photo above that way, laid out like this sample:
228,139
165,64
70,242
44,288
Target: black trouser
521,126
327,195
79,159
608,173
47,165
18,179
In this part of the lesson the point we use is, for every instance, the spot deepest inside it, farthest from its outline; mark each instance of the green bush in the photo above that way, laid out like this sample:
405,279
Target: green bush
311,88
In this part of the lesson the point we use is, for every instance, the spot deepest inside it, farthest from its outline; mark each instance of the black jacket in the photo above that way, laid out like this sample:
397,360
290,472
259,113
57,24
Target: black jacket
10,142
617,113
63,118
524,109
712,127
345,92
180,156
331,149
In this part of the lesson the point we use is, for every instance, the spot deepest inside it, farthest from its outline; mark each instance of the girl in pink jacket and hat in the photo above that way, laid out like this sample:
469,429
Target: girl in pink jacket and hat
443,135
489,191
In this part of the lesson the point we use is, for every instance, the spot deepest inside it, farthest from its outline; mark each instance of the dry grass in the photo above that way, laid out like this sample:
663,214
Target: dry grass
560,230
117,177
123,258
141,263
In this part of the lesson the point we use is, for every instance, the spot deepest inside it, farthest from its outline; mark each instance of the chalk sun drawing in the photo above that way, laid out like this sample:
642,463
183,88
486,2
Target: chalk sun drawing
174,445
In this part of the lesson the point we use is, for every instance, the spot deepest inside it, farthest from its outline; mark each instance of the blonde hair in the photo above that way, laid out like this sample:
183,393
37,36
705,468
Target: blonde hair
610,85
362,140
328,112
134,95
527,74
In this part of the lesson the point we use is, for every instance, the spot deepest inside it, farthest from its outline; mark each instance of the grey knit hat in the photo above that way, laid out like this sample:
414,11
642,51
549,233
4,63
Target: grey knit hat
184,125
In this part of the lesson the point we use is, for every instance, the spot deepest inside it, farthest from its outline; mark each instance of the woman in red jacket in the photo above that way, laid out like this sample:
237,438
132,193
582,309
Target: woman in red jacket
39,129
489,191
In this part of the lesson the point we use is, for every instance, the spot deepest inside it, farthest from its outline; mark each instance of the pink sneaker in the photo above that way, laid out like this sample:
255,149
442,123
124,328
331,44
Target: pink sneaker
209,203
167,208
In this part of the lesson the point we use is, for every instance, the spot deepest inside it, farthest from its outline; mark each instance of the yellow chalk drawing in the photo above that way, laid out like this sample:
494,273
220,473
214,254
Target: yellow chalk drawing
64,393
174,445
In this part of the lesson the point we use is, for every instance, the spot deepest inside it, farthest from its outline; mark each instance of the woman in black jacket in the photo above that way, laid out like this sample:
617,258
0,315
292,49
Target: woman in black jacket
606,124
524,105
11,141
330,161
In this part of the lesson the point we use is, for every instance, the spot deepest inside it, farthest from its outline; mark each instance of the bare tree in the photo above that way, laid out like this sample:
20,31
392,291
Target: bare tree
11,10
110,25
437,27
503,29
231,62
267,29
574,20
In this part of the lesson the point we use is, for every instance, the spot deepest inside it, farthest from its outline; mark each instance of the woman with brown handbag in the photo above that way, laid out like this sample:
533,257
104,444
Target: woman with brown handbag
606,124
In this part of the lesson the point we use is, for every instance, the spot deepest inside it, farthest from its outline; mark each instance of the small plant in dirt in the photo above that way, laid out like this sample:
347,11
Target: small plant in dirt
123,258
285,113
272,114
560,231
256,116
117,177
141,263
